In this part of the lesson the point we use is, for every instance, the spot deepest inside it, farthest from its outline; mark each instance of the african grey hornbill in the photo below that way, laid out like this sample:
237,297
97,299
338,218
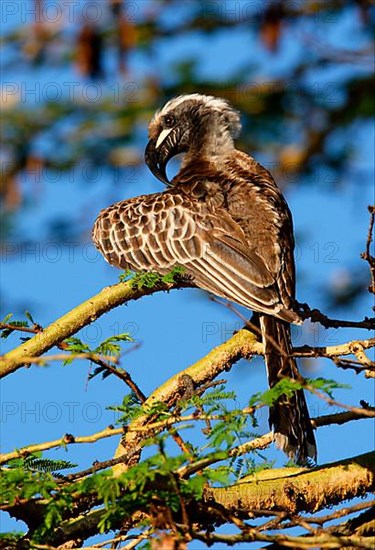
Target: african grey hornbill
224,220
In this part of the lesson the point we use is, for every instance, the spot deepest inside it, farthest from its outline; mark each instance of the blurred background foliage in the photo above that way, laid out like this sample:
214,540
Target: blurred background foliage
80,81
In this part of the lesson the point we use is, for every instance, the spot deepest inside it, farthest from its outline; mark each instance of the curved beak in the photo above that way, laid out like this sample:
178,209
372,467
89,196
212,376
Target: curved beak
156,161
159,151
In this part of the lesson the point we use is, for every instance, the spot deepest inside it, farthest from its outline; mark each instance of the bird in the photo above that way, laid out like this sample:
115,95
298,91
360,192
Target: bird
224,220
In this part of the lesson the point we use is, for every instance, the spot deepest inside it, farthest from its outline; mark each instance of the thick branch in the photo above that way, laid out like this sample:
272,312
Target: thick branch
296,490
288,490
70,323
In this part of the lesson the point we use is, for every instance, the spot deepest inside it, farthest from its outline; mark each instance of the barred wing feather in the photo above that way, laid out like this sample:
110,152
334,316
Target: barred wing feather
156,232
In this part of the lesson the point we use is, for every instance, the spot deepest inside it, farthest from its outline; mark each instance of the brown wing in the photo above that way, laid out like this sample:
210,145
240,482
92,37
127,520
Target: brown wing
156,232
268,228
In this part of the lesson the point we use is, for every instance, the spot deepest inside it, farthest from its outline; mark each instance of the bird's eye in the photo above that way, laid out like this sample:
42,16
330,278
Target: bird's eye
169,121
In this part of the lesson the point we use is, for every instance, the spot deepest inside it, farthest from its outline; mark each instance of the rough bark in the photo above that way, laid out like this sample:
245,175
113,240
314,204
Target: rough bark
295,490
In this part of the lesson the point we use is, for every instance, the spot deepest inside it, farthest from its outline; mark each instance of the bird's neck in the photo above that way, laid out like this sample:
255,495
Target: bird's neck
212,144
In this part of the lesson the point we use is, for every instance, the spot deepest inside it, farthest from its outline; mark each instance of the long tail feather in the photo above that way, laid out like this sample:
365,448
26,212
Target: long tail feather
289,416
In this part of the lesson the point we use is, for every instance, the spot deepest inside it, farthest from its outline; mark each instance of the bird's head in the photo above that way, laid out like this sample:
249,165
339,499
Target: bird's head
205,125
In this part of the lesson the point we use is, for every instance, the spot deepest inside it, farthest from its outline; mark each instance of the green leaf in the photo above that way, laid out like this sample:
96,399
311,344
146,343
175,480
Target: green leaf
145,280
47,465
172,276
130,409
110,346
220,475
286,387
29,317
75,345
52,517
326,385
194,487
150,279
7,317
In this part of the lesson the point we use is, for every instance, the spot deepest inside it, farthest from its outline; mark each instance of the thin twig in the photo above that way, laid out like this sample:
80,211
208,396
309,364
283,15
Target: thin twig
96,467
67,439
361,411
322,540
166,423
35,329
341,512
317,316
122,375
367,256
261,442
338,418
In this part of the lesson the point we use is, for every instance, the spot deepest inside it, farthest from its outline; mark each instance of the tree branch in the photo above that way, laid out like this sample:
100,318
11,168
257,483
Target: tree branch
323,540
317,316
35,329
341,512
349,348
242,345
295,490
70,323
289,490
367,411
367,256
263,441
107,299
67,439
